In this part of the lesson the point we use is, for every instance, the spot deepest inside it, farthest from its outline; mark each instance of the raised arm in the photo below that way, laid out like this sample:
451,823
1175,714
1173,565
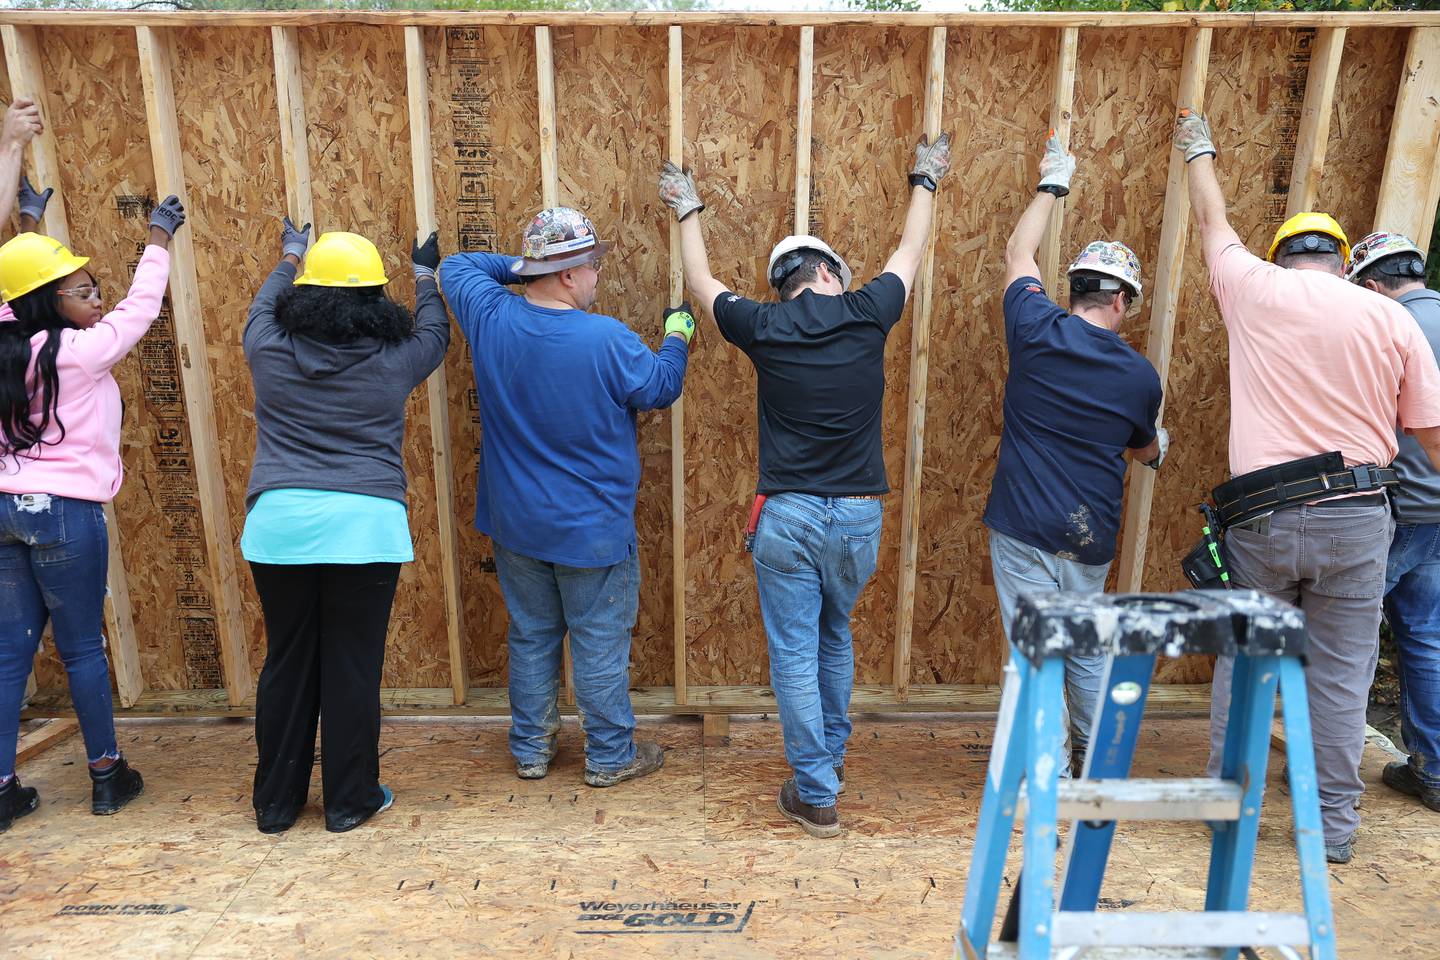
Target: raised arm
22,122
1056,168
677,189
432,322
260,322
1207,201
932,162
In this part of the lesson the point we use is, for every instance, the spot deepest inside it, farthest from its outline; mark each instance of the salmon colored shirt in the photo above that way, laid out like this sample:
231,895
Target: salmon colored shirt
86,464
1317,364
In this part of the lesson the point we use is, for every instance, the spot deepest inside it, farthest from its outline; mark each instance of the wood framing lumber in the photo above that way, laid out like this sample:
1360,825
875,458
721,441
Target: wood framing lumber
1060,117
1310,143
156,61
675,150
437,391
45,736
915,410
22,60
1414,142
294,148
804,127
1174,227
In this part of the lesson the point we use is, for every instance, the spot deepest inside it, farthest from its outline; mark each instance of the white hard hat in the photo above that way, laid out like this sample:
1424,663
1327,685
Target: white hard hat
1382,245
1110,258
803,242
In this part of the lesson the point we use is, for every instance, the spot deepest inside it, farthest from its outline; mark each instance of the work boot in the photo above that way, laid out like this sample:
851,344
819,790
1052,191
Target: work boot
1339,852
537,769
113,787
1401,776
350,823
649,757
816,821
16,802
840,775
276,821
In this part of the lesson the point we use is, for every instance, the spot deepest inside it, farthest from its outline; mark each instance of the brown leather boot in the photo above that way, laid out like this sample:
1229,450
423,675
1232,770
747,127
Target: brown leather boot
816,821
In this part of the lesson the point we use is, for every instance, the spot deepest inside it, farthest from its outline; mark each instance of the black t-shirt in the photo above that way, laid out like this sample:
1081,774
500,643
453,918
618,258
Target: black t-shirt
820,384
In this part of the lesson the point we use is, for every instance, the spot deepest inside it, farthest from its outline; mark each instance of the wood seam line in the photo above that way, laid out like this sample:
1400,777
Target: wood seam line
23,63
1061,112
919,376
436,388
155,71
676,152
1314,134
804,127
1169,268
1410,157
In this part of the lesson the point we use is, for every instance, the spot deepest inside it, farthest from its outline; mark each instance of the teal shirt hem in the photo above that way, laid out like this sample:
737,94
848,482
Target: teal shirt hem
300,526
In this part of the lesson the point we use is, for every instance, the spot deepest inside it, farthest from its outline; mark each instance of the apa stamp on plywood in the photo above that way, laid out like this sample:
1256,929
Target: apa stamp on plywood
120,909
664,916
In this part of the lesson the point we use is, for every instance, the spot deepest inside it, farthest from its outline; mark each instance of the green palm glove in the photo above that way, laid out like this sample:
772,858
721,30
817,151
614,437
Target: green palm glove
680,320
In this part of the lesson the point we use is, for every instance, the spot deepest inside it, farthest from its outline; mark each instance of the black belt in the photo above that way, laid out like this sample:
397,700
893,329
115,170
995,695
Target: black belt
1263,491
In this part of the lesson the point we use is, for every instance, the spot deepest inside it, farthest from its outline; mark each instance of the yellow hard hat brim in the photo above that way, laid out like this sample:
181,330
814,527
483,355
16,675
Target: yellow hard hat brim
62,268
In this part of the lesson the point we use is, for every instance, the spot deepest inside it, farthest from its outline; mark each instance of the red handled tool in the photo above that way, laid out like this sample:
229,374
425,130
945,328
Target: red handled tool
750,527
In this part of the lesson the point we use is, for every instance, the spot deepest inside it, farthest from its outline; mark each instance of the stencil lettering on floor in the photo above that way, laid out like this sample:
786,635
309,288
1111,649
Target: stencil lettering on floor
663,916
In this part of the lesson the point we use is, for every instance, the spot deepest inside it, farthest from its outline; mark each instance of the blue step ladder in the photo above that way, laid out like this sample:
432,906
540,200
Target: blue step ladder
1267,639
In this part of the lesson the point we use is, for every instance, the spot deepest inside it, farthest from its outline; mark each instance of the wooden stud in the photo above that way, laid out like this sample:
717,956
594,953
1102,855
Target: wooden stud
1060,117
550,197
22,59
676,152
156,58
1414,142
49,733
915,416
715,729
437,391
804,125
1314,135
294,149
1174,228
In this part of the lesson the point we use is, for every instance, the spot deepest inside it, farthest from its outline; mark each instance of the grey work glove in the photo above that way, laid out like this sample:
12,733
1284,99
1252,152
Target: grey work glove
32,204
1163,436
1192,135
1056,168
677,189
293,242
932,162
169,215
425,257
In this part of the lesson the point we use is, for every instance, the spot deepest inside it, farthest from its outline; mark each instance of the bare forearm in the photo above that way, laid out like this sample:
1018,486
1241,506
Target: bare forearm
1025,238
1207,201
698,279
905,261
1429,438
12,154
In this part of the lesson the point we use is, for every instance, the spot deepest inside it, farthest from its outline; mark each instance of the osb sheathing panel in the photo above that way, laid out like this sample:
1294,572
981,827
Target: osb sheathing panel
869,99
485,136
230,135
1360,128
609,87
359,141
740,139
97,110
997,101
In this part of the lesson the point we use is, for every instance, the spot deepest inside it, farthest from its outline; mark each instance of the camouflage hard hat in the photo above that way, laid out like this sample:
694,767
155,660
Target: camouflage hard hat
558,238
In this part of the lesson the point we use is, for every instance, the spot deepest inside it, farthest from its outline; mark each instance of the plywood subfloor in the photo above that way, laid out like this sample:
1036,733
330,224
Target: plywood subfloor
473,861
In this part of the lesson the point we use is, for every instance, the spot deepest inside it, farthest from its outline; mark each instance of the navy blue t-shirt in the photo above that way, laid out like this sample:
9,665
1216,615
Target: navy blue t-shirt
820,384
1076,397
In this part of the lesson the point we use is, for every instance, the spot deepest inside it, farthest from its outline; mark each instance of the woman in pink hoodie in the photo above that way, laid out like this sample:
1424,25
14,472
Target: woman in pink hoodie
59,464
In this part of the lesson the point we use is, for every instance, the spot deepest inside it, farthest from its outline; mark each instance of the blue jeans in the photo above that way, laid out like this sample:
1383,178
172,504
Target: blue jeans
598,605
813,556
54,552
1020,568
1412,605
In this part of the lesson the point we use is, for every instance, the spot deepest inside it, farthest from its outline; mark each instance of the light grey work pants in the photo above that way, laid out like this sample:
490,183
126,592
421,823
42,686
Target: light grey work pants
1329,560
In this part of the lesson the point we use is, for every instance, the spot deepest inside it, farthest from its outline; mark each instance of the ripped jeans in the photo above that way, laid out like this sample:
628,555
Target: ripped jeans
54,552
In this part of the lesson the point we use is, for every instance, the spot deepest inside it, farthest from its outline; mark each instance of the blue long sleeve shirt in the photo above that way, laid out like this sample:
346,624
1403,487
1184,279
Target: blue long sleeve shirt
558,393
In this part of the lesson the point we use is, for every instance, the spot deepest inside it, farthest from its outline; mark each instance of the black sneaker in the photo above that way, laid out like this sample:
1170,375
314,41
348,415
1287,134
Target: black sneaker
649,757
816,821
16,802
113,787
1401,776
346,824
275,821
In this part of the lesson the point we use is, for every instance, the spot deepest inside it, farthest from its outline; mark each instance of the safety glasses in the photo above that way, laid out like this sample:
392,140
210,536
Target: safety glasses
89,291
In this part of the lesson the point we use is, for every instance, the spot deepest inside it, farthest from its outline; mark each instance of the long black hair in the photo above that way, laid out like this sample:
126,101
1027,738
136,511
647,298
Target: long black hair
36,311
342,314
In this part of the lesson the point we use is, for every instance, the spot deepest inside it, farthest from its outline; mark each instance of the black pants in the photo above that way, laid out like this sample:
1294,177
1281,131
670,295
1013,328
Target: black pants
325,627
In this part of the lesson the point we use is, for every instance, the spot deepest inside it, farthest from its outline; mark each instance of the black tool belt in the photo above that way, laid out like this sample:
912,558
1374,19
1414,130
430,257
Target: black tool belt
1263,491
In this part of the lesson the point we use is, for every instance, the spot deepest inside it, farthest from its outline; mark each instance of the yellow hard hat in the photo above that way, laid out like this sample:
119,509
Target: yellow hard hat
343,260
28,261
1310,222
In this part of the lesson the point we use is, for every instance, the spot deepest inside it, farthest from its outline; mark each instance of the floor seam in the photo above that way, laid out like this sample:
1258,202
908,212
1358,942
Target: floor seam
211,929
